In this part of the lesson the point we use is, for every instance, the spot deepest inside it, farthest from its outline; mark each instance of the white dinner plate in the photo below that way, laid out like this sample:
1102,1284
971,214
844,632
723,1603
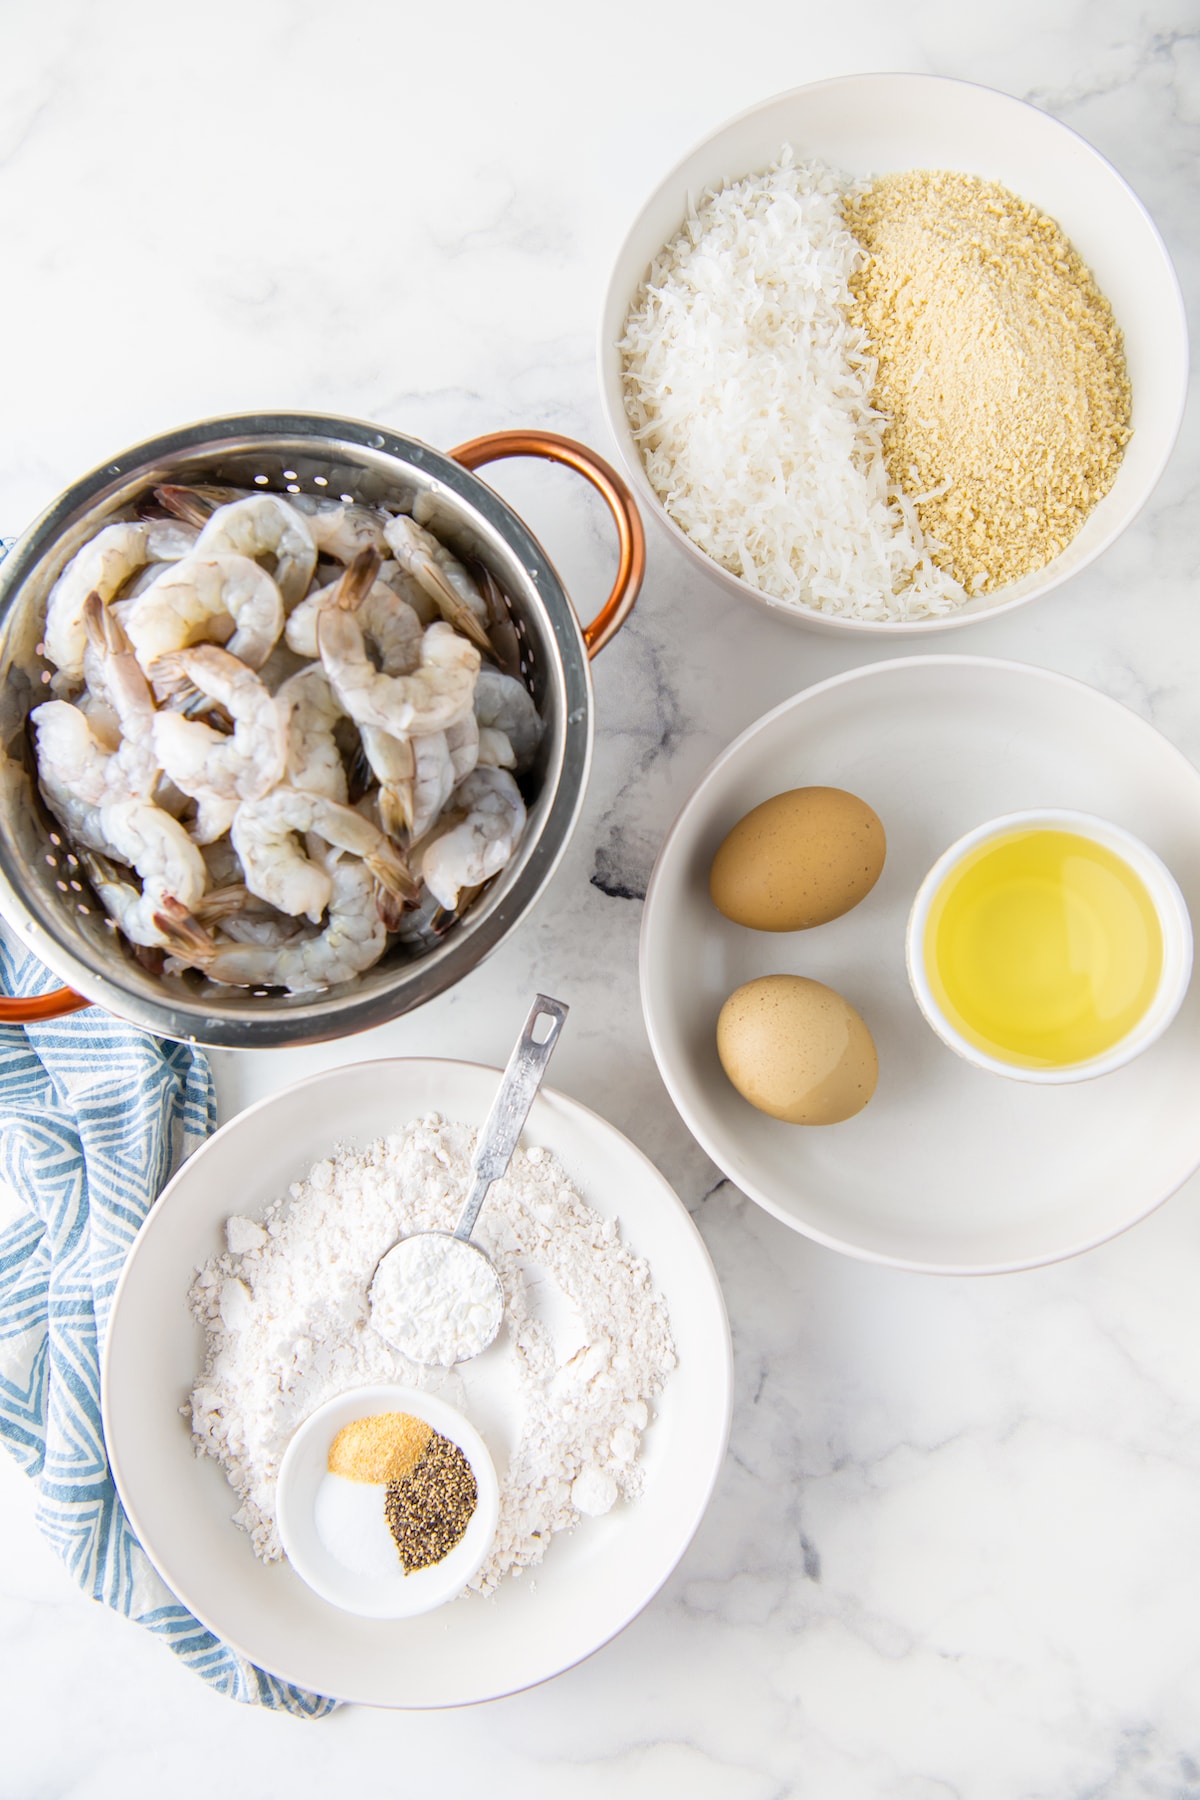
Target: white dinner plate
593,1581
950,1168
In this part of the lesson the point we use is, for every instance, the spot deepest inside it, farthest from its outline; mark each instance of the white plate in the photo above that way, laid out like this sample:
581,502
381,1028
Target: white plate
949,1169
593,1581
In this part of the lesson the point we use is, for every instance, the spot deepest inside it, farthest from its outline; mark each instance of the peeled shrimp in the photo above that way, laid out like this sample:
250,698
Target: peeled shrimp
353,939
217,769
406,588
264,834
442,576
340,528
265,525
140,834
438,694
386,620
314,761
481,843
462,741
80,768
103,566
213,598
504,704
495,751
79,775
416,778
393,764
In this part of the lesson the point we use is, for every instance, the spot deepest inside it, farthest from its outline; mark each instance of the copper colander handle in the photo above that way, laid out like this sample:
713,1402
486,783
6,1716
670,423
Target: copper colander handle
35,1009
498,445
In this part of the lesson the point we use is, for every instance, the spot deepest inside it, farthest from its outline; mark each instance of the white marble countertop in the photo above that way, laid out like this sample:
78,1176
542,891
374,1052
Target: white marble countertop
955,1550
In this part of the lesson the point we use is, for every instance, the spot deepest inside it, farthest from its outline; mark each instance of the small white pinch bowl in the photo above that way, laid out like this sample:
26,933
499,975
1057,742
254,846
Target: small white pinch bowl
1169,905
879,124
304,1467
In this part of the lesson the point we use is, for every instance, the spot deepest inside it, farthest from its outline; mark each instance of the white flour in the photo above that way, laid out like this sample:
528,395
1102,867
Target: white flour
436,1299
561,1397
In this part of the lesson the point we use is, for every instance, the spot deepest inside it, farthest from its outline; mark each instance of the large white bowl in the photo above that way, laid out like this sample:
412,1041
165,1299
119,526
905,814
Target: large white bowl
947,1169
876,124
593,1580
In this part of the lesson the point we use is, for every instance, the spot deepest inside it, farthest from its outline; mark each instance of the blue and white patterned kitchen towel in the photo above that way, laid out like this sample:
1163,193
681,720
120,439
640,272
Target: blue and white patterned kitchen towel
95,1116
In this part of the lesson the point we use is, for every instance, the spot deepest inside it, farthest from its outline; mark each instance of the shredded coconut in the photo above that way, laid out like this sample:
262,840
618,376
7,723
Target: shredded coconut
749,392
561,1397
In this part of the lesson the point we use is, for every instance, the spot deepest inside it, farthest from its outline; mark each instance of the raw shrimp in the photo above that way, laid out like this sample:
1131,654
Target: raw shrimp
443,577
265,525
495,751
140,834
276,869
506,645
214,598
80,767
79,775
481,843
393,764
354,938
116,680
436,695
424,927
462,741
216,769
340,528
406,588
416,778
103,566
196,505
266,930
390,624
314,761
245,918
504,704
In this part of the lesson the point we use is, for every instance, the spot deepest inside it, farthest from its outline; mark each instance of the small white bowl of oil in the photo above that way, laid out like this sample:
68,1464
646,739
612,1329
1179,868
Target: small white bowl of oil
1049,946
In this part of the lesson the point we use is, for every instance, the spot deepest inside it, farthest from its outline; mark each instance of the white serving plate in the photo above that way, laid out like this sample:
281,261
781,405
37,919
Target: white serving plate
593,1581
881,123
950,1169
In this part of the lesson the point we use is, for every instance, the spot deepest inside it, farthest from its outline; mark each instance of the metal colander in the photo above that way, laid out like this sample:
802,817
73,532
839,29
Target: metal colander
44,894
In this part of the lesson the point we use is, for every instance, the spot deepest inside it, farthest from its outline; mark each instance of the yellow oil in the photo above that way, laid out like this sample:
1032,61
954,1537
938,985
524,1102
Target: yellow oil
1043,948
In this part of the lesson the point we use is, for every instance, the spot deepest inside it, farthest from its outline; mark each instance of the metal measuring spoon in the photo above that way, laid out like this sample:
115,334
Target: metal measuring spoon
435,1295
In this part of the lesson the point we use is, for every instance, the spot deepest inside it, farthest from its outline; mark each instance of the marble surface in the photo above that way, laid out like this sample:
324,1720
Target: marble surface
955,1550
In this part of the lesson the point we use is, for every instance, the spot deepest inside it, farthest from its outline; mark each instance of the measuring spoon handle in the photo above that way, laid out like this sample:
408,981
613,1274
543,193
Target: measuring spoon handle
510,1109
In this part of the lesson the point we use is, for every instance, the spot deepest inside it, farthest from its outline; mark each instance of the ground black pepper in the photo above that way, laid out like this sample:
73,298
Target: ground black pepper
428,1512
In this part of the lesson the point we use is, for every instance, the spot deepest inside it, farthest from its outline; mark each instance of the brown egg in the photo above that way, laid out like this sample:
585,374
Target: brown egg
796,1050
797,860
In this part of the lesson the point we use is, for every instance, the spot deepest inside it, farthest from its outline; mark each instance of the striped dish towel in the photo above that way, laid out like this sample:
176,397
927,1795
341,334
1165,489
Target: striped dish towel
95,1117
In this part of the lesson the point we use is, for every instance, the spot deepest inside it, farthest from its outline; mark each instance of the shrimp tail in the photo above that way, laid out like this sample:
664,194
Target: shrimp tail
183,935
452,608
392,873
195,506
358,580
95,613
395,810
223,902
